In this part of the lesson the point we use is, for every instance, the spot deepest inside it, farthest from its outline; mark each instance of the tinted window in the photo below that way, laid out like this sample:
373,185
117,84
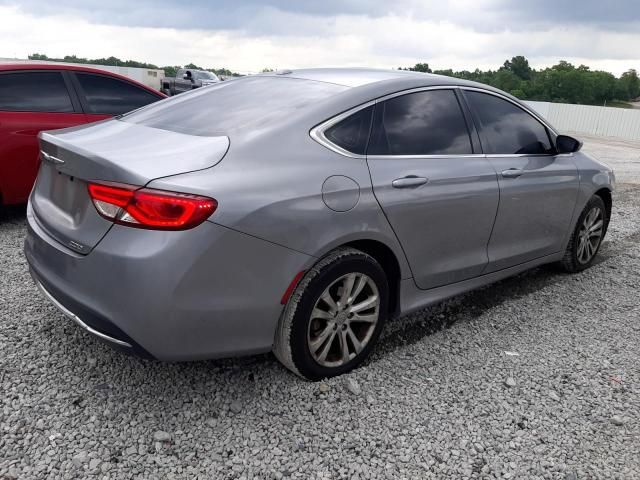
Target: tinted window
508,129
112,96
422,123
34,92
352,133
245,105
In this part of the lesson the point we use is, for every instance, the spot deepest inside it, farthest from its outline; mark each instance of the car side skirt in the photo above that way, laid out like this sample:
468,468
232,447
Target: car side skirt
412,298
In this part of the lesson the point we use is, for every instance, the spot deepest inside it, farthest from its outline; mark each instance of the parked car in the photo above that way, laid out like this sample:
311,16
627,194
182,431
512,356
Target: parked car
36,97
299,211
187,80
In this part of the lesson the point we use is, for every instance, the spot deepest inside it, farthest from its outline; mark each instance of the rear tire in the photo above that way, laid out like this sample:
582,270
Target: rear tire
334,317
587,237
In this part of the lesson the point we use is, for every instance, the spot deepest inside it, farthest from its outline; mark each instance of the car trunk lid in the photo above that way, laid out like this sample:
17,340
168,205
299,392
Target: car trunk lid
111,151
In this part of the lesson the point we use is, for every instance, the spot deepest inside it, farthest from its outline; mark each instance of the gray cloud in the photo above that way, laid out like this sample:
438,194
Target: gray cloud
609,13
247,37
283,17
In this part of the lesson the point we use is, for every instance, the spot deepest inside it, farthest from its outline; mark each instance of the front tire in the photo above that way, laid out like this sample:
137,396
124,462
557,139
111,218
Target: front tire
587,237
334,317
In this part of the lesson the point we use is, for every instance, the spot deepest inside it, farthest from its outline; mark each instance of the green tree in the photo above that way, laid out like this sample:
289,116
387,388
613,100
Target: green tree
192,66
448,73
111,61
629,85
37,56
506,80
420,67
224,71
519,66
603,86
564,82
171,71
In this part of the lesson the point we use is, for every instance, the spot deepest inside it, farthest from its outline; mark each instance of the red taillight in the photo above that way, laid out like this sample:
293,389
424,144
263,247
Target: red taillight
148,208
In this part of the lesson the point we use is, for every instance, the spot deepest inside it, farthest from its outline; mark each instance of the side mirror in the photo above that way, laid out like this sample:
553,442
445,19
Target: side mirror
567,144
185,77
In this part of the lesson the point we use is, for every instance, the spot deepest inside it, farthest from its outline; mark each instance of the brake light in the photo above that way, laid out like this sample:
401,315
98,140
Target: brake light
149,208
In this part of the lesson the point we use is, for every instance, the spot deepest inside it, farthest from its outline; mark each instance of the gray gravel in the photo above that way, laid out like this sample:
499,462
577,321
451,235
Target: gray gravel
535,377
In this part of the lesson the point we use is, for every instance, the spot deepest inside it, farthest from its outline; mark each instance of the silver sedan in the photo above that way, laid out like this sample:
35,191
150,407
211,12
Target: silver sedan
298,211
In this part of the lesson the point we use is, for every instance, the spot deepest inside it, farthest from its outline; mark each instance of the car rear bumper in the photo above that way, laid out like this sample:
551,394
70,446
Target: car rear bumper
89,321
202,293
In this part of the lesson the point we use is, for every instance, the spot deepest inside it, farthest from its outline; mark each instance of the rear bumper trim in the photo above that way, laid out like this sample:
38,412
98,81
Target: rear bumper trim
77,319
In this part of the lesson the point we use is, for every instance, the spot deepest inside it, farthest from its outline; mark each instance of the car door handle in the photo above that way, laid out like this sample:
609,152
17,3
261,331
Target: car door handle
512,173
409,181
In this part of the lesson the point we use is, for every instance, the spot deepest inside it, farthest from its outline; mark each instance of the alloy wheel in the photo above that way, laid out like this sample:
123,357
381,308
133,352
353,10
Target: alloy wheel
590,235
343,320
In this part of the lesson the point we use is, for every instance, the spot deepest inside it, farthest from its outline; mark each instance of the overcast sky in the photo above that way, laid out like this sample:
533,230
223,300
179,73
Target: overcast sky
250,35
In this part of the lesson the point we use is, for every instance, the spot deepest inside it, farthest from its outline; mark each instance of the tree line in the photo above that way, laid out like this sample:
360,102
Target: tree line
169,71
562,83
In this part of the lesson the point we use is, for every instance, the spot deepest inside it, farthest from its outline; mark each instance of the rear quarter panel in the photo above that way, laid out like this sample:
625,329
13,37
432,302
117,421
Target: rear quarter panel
270,186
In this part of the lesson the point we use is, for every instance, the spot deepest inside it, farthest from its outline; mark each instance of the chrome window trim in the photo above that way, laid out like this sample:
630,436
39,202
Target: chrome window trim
409,157
317,132
473,155
517,104
516,155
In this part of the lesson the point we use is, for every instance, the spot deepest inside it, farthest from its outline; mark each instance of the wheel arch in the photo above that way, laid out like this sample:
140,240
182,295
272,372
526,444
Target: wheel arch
605,195
389,263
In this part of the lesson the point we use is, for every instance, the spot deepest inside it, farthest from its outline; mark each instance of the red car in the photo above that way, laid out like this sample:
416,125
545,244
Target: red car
36,97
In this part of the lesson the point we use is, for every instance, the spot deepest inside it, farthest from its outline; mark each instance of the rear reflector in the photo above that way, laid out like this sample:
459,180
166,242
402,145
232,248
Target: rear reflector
292,286
148,208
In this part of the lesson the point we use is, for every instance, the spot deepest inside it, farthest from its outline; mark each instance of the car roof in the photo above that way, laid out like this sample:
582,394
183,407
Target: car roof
357,77
4,67
362,85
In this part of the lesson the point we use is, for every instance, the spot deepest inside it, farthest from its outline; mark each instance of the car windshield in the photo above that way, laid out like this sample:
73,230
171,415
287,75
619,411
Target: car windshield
247,104
205,76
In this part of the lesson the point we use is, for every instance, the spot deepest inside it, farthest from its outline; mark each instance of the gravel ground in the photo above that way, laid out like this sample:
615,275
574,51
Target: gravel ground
537,376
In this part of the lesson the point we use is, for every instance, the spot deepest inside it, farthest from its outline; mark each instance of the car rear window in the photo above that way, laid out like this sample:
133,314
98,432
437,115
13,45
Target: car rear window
231,106
112,96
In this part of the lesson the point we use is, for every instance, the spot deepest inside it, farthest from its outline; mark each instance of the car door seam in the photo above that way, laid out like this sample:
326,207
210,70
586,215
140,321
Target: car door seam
576,211
495,217
373,192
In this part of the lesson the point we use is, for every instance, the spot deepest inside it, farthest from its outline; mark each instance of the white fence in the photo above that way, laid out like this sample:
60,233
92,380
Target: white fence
590,120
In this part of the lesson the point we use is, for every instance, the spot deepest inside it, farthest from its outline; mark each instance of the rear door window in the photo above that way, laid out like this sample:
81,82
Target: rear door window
421,123
506,128
34,92
111,96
